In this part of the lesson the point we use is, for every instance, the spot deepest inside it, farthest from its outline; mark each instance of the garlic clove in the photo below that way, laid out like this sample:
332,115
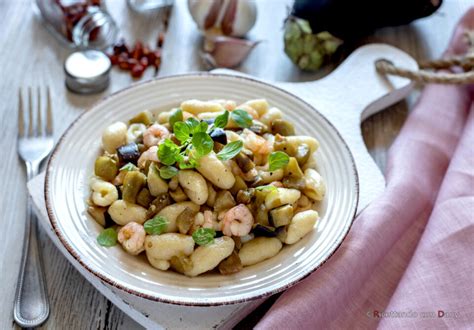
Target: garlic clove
226,52
224,17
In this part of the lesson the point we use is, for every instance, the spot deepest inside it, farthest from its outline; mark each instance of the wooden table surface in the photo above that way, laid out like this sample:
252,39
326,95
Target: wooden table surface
30,56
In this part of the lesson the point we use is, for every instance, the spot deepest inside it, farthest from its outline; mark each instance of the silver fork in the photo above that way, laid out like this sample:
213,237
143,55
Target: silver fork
31,307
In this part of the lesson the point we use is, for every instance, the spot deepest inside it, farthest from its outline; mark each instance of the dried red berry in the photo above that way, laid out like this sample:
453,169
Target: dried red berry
137,50
114,59
144,61
161,39
137,71
120,47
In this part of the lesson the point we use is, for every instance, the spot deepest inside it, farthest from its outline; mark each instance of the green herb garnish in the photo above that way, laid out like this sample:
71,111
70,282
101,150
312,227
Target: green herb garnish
202,143
155,226
128,167
268,188
175,117
230,150
277,160
107,238
204,236
167,172
241,118
168,152
221,120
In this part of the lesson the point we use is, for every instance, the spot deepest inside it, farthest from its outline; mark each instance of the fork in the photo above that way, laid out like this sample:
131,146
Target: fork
34,144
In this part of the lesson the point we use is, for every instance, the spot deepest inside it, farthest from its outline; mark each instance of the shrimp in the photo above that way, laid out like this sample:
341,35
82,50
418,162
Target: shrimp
154,134
237,221
255,143
132,238
210,220
150,154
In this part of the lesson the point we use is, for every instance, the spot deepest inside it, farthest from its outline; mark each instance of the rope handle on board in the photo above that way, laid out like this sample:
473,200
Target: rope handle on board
425,76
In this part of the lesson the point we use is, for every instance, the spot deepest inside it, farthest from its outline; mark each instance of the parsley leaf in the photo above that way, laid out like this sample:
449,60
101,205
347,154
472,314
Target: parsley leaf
107,238
221,120
168,152
277,160
241,118
204,236
230,150
155,226
167,172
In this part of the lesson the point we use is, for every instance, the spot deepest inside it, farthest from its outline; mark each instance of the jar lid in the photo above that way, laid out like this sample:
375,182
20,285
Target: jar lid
87,71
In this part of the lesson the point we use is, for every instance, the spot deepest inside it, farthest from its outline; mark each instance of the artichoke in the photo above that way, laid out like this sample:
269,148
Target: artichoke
307,50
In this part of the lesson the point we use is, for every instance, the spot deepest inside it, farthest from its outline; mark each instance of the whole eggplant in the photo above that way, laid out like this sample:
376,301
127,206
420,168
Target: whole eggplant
316,28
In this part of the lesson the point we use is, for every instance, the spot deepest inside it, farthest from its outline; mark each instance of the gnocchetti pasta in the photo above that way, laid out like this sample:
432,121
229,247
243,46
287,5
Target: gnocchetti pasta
207,186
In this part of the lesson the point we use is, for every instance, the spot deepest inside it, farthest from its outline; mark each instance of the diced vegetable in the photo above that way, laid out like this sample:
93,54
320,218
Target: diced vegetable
128,153
218,135
144,198
293,170
302,153
106,168
283,127
144,117
132,184
264,231
281,216
230,265
185,220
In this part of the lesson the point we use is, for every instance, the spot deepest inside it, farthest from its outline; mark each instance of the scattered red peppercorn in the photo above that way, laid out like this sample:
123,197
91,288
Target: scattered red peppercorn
137,71
138,58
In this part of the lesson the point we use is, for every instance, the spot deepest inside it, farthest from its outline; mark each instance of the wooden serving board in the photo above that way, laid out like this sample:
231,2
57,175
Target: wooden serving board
346,97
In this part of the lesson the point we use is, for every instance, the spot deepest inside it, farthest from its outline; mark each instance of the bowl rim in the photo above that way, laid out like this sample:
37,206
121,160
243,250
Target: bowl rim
109,279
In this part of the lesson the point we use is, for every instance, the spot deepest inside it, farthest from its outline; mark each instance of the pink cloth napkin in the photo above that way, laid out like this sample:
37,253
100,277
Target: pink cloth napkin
408,260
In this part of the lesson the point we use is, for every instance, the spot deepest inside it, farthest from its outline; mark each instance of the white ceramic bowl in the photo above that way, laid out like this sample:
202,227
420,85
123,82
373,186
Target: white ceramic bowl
71,166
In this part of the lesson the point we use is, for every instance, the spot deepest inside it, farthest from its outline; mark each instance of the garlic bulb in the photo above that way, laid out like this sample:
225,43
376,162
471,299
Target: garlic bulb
228,17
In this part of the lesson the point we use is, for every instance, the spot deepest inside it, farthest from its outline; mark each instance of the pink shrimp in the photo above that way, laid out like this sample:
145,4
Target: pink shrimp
256,143
237,221
150,154
132,238
154,134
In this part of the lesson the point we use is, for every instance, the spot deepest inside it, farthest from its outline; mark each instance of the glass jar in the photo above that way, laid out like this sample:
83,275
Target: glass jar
143,6
79,23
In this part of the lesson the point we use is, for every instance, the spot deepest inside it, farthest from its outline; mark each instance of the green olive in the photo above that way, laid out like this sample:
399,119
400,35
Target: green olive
238,186
133,182
231,264
281,216
302,153
144,117
283,127
181,264
159,203
106,168
293,170
185,220
144,198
